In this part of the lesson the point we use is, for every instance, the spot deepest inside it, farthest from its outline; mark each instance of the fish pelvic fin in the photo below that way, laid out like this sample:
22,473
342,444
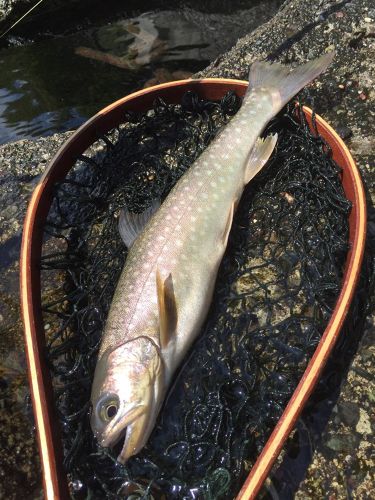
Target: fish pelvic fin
130,225
167,309
282,82
228,225
259,155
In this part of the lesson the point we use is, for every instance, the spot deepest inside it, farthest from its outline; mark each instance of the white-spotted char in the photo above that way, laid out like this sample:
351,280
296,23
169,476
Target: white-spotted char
166,286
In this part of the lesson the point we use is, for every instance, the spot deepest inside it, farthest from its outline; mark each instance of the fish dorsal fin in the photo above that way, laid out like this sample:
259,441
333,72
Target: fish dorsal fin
130,225
167,309
259,156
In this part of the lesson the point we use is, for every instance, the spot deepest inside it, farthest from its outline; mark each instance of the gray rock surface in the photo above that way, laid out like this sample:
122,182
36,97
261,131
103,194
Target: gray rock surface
345,95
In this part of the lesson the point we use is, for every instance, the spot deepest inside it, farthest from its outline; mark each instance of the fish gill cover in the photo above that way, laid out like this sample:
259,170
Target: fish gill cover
275,292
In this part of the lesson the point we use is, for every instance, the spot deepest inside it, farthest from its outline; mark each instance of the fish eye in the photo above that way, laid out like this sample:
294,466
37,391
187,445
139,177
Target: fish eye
109,409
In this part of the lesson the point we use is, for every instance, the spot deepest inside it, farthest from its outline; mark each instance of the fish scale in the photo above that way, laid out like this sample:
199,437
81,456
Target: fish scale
165,289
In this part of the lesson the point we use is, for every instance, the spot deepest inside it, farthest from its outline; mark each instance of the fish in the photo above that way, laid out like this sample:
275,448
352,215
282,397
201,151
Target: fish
166,286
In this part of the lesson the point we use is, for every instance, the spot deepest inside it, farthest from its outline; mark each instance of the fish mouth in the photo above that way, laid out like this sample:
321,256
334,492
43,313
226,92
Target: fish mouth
136,436
139,428
118,427
134,427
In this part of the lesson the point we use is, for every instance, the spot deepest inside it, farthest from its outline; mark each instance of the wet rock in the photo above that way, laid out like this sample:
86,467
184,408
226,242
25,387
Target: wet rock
21,164
342,443
348,412
344,131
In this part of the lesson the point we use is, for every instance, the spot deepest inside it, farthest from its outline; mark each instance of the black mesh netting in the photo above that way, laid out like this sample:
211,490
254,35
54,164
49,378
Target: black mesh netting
275,292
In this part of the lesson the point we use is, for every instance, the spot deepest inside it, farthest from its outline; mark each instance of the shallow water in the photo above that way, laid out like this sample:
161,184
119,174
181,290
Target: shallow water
56,84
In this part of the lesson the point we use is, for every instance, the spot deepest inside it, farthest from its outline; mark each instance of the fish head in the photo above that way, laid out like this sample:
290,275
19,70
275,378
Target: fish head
126,395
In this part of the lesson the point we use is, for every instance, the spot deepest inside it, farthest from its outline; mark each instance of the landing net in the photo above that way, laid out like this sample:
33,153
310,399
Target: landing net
275,292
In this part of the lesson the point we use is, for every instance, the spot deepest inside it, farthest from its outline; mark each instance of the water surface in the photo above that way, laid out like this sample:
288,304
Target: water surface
55,84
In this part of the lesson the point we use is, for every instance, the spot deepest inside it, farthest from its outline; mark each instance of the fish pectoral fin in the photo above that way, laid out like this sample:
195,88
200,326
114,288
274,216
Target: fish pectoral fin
259,156
167,309
130,225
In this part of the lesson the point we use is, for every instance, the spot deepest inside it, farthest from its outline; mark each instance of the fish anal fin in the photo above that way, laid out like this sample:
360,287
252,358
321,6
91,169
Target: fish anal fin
259,156
130,225
167,309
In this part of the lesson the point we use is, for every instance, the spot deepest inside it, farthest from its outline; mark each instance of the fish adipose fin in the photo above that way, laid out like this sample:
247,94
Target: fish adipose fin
167,309
283,83
259,155
130,225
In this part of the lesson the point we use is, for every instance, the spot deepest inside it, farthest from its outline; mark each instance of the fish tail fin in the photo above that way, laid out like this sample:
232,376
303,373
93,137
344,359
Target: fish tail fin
282,82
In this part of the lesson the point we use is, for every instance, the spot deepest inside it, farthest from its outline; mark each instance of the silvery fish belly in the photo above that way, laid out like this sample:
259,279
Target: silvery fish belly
166,286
